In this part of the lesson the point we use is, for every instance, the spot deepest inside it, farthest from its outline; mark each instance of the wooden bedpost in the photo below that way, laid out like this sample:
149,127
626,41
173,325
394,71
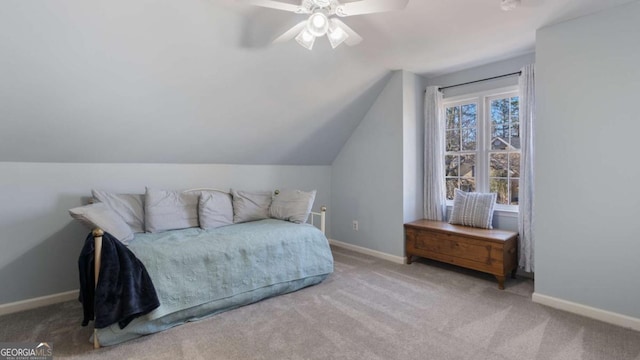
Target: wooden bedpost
323,218
97,257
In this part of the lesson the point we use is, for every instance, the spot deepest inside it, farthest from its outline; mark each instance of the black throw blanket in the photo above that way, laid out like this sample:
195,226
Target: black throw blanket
124,291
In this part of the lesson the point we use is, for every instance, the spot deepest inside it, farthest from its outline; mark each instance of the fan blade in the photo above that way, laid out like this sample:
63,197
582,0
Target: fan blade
370,6
354,38
291,33
272,4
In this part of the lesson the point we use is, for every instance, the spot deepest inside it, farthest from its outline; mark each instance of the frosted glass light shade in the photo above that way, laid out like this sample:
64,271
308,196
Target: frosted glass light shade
337,36
318,24
306,39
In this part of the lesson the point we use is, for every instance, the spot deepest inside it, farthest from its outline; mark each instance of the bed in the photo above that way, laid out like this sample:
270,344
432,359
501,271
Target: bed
199,273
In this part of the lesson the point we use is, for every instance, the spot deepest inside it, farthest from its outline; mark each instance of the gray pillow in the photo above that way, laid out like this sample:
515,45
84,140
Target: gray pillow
250,205
101,216
215,209
170,210
130,207
473,209
292,205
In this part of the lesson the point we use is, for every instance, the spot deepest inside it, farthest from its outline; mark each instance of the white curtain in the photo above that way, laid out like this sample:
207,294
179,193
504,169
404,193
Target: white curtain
526,84
434,192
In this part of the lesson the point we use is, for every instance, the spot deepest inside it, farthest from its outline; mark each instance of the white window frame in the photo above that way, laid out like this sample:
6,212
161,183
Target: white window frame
482,100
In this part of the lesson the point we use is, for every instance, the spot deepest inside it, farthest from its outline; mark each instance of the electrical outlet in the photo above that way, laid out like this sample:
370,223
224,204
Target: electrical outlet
355,225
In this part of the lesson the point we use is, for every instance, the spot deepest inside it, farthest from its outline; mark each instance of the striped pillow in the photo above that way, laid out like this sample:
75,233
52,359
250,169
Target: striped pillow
473,209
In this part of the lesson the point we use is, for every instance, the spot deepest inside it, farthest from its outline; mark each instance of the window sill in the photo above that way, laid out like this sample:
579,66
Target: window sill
506,213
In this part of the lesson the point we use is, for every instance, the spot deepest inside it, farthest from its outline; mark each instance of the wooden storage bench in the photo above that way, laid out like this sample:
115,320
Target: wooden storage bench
490,251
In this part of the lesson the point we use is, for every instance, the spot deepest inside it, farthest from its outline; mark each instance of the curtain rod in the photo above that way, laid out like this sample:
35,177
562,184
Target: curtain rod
477,81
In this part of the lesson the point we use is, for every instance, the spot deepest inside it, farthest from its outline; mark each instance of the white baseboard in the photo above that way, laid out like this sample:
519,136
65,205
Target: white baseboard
366,251
588,311
28,304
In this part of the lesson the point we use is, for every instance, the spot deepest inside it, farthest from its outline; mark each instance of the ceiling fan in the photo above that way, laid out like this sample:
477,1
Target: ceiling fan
322,20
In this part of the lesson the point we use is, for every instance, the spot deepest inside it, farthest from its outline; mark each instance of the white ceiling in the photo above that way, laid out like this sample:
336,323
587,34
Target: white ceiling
195,81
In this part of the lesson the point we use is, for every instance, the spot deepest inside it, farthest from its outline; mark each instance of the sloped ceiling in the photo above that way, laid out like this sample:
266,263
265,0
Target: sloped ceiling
195,81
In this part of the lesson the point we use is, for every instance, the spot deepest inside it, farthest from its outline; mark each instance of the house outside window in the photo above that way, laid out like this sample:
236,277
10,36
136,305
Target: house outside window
482,145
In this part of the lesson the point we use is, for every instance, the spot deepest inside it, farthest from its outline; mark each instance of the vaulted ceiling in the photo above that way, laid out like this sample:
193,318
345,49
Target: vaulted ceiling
196,81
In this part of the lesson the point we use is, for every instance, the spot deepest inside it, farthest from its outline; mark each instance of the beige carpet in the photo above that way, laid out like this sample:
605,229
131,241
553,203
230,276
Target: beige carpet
368,309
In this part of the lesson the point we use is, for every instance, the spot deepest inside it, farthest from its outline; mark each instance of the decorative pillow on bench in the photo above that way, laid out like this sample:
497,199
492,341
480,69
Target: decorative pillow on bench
170,210
292,205
473,209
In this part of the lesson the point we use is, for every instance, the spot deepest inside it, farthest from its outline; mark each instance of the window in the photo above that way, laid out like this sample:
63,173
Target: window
483,145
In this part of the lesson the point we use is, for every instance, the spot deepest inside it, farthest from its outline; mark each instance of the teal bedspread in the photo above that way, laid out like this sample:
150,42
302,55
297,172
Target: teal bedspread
198,273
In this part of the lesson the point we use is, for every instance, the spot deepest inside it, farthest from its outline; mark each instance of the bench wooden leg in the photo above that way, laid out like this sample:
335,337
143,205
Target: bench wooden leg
500,282
408,259
513,273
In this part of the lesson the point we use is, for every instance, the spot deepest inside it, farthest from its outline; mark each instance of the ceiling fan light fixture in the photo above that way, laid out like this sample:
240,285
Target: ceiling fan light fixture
337,36
318,24
323,18
306,39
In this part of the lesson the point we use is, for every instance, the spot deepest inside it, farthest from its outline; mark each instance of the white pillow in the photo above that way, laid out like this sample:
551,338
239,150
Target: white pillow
292,205
473,209
250,205
170,210
215,209
130,207
101,216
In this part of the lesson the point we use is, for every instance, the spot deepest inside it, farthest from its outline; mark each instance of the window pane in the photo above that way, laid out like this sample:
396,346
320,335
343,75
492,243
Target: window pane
451,163
514,165
453,140
500,112
515,109
514,185
452,184
469,115
500,137
453,117
468,185
497,143
468,166
469,139
498,165
515,135
499,186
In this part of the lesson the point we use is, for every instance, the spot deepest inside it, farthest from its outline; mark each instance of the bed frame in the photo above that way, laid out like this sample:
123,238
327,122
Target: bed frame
97,243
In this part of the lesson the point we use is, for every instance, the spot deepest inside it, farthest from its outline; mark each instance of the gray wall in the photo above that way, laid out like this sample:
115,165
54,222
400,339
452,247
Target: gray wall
412,145
501,219
586,201
367,177
39,241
